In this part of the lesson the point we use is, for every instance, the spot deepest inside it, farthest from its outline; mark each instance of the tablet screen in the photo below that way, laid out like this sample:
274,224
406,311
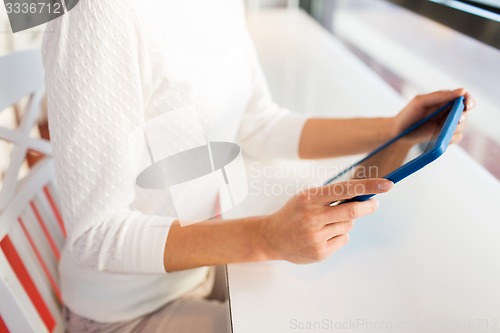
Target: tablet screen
398,152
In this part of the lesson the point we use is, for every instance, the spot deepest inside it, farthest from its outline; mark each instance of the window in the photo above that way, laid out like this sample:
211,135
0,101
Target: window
479,19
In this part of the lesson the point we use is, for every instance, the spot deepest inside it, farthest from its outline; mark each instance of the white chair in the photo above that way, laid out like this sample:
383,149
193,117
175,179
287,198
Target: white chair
31,228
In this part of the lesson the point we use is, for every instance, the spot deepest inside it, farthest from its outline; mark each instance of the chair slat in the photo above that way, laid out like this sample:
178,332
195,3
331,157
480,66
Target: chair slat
46,232
48,274
24,278
27,189
55,210
16,307
50,219
40,241
35,271
3,326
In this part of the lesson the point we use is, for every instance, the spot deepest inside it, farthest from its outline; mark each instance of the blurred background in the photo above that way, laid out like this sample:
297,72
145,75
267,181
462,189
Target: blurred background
414,46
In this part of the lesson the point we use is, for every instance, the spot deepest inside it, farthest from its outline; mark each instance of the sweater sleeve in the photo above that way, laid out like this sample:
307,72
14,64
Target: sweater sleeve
96,67
267,130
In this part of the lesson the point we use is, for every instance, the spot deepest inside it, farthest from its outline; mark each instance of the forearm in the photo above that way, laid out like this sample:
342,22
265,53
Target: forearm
324,137
215,242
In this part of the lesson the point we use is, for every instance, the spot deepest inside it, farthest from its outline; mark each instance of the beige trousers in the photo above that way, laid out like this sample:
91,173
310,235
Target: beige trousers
203,310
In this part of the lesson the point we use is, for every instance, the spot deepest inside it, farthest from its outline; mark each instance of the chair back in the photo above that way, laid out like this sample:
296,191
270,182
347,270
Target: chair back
32,231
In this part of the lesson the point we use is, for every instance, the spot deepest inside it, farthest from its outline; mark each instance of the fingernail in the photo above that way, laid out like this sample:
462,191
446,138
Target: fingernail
462,118
385,186
377,203
470,105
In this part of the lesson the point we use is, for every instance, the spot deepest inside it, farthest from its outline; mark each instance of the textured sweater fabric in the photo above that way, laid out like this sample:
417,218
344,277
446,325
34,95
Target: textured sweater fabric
110,66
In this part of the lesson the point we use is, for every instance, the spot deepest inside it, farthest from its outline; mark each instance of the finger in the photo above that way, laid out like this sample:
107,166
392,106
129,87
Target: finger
462,124
439,97
456,138
334,244
463,119
349,189
460,129
350,211
336,229
470,103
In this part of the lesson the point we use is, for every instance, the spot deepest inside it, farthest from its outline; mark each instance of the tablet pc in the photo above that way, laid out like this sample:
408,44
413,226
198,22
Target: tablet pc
408,152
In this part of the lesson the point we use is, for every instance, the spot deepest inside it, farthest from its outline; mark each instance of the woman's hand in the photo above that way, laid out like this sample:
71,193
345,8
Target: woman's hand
307,229
422,105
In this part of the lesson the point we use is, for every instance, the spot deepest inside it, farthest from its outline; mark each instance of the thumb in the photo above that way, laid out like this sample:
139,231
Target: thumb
439,97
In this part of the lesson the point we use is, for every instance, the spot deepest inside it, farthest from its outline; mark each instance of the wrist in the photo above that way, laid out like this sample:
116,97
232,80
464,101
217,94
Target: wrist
383,129
392,127
266,239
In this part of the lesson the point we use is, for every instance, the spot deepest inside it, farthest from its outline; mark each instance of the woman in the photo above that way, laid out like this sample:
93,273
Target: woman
113,65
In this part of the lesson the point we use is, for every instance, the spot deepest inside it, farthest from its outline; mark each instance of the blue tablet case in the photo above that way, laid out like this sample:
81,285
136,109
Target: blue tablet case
438,149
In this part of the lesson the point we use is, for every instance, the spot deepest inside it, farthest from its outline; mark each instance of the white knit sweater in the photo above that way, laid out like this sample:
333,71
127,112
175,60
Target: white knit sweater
110,66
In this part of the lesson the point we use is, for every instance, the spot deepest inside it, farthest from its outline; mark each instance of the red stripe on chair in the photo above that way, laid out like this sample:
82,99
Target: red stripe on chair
53,205
3,327
45,230
24,278
53,283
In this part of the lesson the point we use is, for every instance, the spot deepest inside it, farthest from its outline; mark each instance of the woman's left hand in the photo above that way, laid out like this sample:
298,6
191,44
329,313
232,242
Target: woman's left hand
422,105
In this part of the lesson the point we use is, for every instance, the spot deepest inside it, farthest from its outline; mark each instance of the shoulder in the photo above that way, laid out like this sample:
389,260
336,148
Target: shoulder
97,16
90,25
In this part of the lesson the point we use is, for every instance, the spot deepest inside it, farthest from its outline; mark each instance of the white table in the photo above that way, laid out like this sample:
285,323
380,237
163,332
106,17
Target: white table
431,251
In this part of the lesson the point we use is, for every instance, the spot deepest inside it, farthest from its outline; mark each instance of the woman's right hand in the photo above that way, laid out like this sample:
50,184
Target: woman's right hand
308,230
